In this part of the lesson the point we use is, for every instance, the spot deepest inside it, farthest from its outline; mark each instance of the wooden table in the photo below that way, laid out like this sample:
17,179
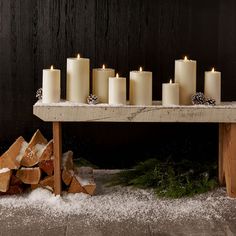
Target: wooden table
223,114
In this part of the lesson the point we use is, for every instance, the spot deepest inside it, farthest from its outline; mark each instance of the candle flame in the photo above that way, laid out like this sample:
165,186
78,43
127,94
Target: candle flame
117,75
185,58
51,67
103,66
140,68
213,69
170,81
78,56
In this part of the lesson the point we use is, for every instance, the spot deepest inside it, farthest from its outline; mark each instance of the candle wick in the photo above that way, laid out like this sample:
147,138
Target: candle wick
78,56
103,66
51,67
117,75
140,68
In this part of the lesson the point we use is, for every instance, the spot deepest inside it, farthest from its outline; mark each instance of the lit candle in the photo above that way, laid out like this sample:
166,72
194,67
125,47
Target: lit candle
77,89
140,87
117,90
185,75
212,87
51,85
100,82
170,94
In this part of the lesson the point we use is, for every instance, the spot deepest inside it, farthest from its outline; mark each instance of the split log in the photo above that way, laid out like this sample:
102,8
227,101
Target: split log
67,161
88,184
90,188
12,157
15,189
47,167
86,179
47,152
35,147
75,186
47,183
34,186
15,181
67,177
5,177
29,175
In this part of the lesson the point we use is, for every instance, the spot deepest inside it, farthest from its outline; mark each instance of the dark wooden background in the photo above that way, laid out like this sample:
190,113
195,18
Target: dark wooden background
124,34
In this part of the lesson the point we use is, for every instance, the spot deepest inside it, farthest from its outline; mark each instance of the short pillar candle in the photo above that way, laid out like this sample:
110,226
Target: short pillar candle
140,87
185,75
100,82
212,86
77,83
51,85
117,90
170,94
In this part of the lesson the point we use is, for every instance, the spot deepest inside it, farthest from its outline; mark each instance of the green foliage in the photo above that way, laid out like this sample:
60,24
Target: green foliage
83,162
170,179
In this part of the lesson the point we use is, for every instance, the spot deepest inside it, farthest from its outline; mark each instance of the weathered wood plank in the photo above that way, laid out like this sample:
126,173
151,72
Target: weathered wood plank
66,111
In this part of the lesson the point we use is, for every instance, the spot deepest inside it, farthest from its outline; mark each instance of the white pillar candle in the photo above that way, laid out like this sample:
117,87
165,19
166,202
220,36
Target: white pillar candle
51,85
117,90
170,94
212,87
140,87
185,75
77,89
100,82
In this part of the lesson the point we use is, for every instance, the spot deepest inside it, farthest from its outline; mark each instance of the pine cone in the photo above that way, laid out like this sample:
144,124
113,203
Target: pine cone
210,101
198,99
39,93
92,99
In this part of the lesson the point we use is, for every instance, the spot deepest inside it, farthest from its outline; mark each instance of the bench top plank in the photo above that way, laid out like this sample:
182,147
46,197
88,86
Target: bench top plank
74,112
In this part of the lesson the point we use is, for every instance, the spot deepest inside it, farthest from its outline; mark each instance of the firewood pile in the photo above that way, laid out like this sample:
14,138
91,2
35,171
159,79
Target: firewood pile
27,166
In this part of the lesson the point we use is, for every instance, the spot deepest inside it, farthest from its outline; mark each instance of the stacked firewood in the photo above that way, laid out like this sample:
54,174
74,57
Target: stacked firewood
27,166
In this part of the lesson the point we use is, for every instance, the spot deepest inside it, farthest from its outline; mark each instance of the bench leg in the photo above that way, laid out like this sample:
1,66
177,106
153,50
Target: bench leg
228,159
221,173
57,152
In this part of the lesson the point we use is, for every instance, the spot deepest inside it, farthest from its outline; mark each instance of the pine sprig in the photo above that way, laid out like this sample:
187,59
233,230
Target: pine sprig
169,178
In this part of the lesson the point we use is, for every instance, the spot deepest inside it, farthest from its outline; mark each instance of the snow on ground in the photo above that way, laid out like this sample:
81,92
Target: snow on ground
123,203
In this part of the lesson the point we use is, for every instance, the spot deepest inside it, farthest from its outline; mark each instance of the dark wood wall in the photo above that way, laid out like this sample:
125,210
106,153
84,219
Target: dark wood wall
124,34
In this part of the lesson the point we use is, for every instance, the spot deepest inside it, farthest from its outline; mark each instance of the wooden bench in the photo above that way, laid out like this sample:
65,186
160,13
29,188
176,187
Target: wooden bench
223,114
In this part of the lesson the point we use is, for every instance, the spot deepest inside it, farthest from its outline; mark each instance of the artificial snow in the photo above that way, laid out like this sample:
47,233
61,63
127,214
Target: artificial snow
4,170
83,181
39,148
122,203
28,168
155,103
21,153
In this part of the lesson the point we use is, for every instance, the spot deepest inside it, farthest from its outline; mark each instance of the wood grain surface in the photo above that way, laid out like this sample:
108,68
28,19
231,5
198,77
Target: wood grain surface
75,112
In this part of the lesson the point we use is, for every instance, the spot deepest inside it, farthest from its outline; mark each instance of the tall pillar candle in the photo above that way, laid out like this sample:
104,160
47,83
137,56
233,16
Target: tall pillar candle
170,94
117,90
100,82
51,85
140,87
77,89
185,75
212,87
